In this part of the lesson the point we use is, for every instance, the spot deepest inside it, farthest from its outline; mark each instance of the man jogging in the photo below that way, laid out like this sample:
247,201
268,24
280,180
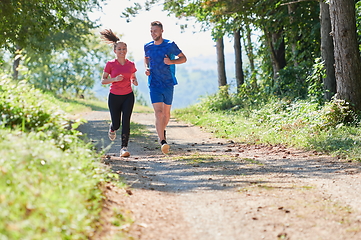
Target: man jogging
161,55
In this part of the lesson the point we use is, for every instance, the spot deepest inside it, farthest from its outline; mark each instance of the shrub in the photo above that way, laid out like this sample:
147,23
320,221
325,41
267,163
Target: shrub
336,113
25,107
218,101
28,109
47,193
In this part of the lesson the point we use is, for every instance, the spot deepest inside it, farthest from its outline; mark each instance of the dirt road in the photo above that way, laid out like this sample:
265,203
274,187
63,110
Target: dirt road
217,189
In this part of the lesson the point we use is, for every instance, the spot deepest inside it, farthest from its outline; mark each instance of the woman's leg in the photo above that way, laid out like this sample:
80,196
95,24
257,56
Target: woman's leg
115,104
127,109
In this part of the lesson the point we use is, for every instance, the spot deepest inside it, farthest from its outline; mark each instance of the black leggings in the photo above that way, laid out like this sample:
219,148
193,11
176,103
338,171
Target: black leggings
118,105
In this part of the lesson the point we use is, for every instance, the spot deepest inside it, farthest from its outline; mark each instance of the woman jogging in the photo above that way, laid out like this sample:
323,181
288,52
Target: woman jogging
120,73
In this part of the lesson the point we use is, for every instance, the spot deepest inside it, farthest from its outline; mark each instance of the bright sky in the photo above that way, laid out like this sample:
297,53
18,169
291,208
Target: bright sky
137,32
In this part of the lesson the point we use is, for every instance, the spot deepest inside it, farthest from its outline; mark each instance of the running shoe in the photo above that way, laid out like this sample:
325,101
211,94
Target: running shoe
124,152
111,134
165,147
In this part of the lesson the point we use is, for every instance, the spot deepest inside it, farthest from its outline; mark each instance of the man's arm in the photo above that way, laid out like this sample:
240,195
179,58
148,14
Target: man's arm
146,65
181,59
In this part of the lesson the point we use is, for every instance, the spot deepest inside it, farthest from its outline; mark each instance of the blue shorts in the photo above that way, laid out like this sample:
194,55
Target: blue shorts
161,94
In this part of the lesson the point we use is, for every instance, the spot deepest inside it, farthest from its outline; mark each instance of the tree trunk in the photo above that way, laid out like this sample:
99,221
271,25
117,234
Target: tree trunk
293,33
249,51
347,56
327,49
238,58
222,80
16,63
276,44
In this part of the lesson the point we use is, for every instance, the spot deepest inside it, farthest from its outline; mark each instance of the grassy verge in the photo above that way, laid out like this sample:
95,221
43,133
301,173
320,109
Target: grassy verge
47,193
50,180
332,128
78,106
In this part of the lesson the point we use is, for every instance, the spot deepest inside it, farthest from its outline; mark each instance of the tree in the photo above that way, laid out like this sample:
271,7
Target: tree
290,41
222,79
347,56
276,44
327,49
249,49
30,24
238,58
72,70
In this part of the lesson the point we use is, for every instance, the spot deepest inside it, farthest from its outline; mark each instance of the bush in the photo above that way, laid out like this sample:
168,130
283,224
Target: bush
47,193
245,98
332,127
336,113
28,109
49,178
25,107
221,100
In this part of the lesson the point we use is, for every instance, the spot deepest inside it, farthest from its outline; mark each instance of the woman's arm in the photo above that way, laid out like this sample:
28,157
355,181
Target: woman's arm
107,80
134,80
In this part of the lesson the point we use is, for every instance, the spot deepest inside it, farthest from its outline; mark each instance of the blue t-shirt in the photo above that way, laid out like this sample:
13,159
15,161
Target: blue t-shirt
161,74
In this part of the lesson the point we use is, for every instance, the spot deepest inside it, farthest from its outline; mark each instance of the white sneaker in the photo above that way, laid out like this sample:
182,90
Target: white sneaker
165,147
111,134
124,152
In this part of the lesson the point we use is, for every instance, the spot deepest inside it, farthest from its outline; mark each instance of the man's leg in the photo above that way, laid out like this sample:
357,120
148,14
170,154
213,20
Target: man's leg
162,116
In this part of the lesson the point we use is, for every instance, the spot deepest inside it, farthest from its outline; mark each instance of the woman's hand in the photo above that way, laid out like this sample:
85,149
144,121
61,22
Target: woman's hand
135,82
118,78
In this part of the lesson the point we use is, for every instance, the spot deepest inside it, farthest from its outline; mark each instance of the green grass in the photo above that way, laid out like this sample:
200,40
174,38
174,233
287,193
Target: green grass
47,193
50,180
78,106
332,128
196,158
142,109
75,106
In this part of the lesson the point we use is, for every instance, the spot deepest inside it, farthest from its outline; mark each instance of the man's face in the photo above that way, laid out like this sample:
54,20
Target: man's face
156,32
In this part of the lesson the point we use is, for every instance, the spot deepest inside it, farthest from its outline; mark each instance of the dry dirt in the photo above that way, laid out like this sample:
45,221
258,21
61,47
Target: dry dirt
217,189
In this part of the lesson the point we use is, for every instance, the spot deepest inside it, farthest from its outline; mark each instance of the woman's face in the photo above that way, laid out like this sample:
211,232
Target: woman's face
121,50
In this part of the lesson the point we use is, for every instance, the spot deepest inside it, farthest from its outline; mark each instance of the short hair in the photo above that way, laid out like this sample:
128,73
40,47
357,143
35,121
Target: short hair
157,23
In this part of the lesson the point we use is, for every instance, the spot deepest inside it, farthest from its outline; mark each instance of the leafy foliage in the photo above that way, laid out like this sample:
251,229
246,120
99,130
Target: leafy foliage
315,84
332,127
71,70
291,29
50,180
358,21
47,193
36,24
218,101
25,108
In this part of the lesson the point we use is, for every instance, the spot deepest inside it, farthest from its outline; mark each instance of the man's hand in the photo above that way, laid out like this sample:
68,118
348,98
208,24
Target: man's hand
167,60
147,71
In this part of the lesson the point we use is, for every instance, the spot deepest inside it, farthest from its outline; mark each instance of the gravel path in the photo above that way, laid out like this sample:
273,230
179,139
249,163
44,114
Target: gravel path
217,189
